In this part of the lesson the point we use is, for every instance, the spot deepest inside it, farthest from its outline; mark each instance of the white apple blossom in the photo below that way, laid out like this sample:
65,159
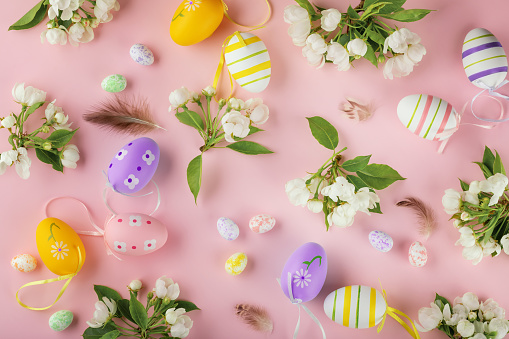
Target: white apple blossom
473,253
55,35
500,326
297,191
342,215
363,200
467,237
27,96
104,311
23,163
236,104
451,319
314,59
181,327
172,314
339,56
451,201
295,13
8,121
135,285
475,187
490,309
341,189
400,40
7,159
79,33
416,52
357,47
235,125
429,318
504,242
166,288
56,117
398,66
315,205
316,43
470,197
478,336
70,156
179,97
257,111
299,32
194,96
465,328
102,9
496,184
491,246
209,91
330,19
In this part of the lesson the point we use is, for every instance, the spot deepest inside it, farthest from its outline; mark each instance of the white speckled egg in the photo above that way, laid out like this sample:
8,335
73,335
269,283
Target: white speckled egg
417,254
24,262
380,241
427,116
484,58
142,55
236,264
60,320
227,228
114,83
262,223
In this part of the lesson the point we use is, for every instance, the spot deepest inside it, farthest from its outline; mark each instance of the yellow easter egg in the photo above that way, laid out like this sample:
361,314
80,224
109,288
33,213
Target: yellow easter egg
58,245
195,20
236,263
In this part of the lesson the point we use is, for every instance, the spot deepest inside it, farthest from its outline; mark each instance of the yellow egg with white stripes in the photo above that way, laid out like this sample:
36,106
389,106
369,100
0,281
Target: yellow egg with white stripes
248,61
355,306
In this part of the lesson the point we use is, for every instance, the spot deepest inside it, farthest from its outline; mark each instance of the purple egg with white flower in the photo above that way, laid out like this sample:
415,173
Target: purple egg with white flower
304,273
134,165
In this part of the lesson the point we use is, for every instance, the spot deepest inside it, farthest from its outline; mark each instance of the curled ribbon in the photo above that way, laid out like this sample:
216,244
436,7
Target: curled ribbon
225,10
393,313
67,277
491,91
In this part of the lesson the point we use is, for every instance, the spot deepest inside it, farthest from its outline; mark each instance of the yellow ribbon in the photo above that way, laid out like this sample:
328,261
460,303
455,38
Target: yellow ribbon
225,9
62,290
393,313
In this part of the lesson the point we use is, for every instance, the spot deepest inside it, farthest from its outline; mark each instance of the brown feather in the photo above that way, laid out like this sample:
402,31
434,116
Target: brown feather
255,316
123,114
425,215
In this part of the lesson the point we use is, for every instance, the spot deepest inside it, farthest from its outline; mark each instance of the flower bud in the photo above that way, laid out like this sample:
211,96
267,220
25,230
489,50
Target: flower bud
85,22
94,23
381,58
209,91
150,295
47,146
76,17
166,301
465,216
488,315
472,316
45,129
222,102
315,205
134,286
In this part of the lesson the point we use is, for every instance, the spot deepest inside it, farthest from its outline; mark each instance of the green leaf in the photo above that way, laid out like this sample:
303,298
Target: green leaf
352,13
394,5
187,305
112,335
326,212
307,6
344,39
376,209
485,170
407,15
370,55
356,164
488,158
443,301
32,108
376,37
191,118
379,176
372,9
31,18
498,166
104,291
252,130
123,308
138,312
321,9
97,333
48,157
464,185
194,171
356,181
249,147
60,137
324,132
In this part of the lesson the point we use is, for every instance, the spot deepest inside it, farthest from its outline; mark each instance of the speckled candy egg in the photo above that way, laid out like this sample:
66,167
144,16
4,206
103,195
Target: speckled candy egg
262,223
114,83
236,264
60,320
133,165
305,271
227,228
417,254
135,234
380,241
142,55
24,262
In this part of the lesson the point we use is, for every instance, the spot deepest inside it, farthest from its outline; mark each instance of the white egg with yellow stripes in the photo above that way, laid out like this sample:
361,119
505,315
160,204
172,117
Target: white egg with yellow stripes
248,61
427,116
355,306
484,58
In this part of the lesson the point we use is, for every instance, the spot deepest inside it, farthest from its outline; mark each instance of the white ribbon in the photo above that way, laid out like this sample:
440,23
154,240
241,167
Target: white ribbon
491,91
105,200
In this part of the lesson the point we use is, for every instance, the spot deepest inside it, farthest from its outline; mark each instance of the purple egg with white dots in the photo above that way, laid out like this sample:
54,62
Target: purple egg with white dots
134,165
227,228
141,54
381,241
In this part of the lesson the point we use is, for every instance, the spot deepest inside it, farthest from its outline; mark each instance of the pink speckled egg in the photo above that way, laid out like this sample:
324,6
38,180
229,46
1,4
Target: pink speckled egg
24,262
417,254
135,234
262,223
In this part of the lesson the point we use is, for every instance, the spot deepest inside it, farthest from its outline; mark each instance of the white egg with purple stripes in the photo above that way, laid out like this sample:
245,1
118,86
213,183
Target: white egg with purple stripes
248,62
355,306
484,58
427,116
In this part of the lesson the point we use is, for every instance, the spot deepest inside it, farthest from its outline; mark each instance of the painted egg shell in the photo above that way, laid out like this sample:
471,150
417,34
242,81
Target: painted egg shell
135,234
484,58
227,228
380,241
427,116
141,54
236,263
133,165
24,262
60,320
59,246
262,223
306,268
249,65
355,306
114,83
195,21
417,254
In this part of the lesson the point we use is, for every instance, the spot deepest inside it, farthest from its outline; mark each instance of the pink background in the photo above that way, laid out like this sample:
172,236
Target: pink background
239,186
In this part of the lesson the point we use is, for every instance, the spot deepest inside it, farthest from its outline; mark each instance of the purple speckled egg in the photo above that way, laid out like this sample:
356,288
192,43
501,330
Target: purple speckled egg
141,54
380,241
306,268
134,165
227,228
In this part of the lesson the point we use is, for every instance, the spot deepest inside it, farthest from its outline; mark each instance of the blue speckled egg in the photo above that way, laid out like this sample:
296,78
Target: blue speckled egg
142,55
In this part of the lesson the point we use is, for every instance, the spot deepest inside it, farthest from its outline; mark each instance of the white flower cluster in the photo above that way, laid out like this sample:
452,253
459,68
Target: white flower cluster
180,323
407,51
104,311
453,201
341,192
468,317
81,29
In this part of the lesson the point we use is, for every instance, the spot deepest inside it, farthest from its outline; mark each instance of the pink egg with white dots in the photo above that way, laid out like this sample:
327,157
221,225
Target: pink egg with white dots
135,234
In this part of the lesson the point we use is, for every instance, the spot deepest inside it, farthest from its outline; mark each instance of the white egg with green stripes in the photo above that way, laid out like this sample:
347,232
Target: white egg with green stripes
248,62
355,306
